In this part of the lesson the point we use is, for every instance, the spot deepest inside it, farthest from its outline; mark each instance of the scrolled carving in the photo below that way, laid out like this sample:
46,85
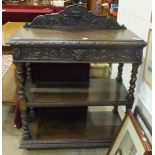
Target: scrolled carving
78,54
74,17
16,53
70,54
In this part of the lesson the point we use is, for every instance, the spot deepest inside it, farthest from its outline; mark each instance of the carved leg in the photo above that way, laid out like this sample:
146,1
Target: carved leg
22,98
130,95
26,133
120,71
115,110
31,112
28,72
119,79
29,79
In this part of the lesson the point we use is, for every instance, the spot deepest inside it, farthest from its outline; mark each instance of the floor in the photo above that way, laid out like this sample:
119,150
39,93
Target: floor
11,140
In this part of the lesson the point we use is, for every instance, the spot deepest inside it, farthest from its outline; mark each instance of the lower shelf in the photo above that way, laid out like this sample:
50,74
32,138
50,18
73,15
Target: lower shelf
71,130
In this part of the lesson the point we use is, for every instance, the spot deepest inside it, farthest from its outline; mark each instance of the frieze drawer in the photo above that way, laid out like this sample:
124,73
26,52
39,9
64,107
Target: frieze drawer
69,54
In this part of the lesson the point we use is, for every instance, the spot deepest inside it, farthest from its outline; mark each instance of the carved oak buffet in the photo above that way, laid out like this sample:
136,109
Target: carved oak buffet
73,36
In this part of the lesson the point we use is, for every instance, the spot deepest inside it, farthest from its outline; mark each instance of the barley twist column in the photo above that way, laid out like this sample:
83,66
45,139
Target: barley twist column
119,79
22,98
130,96
29,79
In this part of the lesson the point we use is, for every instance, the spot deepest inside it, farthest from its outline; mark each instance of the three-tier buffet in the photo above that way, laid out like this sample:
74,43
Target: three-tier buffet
55,114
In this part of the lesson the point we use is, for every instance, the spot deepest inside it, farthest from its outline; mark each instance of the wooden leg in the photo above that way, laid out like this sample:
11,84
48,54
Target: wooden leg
130,96
115,110
119,79
28,72
120,72
26,133
31,112
29,79
22,98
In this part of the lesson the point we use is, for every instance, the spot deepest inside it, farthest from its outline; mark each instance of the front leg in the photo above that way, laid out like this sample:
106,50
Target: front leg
118,79
130,96
29,79
22,99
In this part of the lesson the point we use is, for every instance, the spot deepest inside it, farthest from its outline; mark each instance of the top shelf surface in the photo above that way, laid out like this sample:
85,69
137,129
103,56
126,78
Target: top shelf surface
75,35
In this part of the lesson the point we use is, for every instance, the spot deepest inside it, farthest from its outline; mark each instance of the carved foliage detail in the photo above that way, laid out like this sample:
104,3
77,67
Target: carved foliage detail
16,53
70,54
74,16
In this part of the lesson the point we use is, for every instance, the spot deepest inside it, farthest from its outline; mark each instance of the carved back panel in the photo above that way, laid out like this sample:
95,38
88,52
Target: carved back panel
74,17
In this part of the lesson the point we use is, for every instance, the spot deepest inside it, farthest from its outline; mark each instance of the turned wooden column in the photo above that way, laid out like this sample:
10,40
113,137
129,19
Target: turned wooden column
22,98
120,72
130,96
119,79
29,79
28,72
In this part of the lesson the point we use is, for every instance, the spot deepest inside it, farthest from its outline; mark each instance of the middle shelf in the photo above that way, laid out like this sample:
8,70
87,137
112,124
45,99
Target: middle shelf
98,92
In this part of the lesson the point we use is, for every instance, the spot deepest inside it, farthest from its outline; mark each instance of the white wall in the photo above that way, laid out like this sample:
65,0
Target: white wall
135,15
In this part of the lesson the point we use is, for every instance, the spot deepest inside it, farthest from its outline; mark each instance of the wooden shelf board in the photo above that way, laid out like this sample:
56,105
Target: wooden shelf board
69,130
100,92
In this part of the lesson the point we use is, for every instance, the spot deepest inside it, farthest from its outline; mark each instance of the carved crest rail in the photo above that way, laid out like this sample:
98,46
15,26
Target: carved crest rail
74,17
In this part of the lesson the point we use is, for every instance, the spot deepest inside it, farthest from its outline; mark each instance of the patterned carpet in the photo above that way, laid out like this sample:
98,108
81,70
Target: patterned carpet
6,63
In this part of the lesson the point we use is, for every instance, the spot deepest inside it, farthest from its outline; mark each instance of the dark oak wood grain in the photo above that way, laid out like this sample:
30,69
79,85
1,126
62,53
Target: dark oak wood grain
71,129
60,35
97,92
74,36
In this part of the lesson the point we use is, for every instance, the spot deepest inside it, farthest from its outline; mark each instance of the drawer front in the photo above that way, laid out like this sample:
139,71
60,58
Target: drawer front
69,54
